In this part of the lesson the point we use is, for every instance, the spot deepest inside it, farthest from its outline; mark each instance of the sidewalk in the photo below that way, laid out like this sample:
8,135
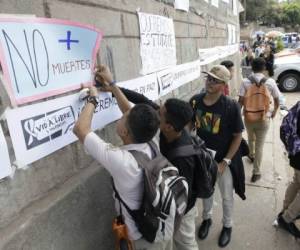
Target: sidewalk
253,218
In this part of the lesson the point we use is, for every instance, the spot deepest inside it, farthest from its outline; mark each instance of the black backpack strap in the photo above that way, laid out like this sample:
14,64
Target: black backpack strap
117,196
187,150
183,151
141,158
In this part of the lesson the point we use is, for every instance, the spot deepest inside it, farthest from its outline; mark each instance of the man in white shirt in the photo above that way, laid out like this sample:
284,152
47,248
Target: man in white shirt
257,131
137,126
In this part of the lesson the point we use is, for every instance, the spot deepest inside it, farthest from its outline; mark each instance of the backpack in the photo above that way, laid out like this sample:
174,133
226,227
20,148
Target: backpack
256,101
205,171
288,130
164,198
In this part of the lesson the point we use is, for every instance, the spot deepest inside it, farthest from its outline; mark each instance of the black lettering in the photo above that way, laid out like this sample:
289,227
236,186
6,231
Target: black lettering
36,61
31,73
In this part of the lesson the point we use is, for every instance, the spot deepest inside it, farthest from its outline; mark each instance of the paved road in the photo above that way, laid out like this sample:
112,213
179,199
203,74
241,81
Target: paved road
253,218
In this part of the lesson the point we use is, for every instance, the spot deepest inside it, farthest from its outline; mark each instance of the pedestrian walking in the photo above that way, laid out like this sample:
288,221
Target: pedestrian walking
219,123
255,95
290,136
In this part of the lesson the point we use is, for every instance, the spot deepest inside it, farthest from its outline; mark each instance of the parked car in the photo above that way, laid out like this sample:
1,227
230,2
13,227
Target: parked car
285,41
287,72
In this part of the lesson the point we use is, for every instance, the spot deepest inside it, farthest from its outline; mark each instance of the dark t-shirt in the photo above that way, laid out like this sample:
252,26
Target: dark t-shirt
217,123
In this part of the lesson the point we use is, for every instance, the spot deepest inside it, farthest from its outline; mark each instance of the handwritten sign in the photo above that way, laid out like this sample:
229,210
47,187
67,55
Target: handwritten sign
182,5
43,128
175,77
5,167
157,46
43,57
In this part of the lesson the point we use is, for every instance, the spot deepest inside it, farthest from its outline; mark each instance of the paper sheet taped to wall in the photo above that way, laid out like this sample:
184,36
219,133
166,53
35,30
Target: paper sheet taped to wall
43,57
5,167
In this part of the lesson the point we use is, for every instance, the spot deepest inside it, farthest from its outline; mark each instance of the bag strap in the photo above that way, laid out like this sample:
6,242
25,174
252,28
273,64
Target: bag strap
186,150
117,196
253,80
141,158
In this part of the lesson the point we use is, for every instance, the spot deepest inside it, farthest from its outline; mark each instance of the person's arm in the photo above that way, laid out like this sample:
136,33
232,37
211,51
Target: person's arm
237,135
136,98
104,76
83,124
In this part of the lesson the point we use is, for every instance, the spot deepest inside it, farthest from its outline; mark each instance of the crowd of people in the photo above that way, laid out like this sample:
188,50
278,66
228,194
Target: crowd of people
216,120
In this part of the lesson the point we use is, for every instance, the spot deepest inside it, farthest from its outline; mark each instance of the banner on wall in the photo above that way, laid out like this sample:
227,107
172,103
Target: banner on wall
41,129
146,85
171,79
182,5
157,42
42,57
210,55
5,167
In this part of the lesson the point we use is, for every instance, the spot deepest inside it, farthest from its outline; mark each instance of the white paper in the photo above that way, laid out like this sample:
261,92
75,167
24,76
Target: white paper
146,85
210,55
215,3
226,1
182,5
234,7
157,42
234,40
5,167
171,79
40,129
229,34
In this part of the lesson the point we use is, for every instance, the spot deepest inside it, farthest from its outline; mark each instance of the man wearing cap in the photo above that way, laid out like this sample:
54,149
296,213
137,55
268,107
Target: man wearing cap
219,123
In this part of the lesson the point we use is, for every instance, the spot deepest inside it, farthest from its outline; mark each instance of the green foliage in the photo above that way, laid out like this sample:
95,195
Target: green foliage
270,12
280,45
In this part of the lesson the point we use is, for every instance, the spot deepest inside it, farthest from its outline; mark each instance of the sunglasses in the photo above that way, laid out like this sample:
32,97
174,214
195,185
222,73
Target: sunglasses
213,80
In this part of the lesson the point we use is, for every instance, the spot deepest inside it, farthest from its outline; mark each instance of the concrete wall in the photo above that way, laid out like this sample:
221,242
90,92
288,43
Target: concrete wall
64,200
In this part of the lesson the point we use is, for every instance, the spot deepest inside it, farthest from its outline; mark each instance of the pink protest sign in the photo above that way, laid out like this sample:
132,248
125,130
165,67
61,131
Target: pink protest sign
43,57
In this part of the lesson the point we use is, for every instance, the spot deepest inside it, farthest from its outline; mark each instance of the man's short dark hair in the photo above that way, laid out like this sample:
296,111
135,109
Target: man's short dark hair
228,64
258,65
143,123
178,113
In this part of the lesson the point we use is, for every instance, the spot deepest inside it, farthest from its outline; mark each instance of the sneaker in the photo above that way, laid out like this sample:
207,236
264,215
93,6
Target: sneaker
204,229
255,177
290,227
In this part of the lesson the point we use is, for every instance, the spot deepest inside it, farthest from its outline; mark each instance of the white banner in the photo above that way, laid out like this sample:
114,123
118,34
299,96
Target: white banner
5,167
210,55
157,45
182,5
215,3
171,79
146,85
41,129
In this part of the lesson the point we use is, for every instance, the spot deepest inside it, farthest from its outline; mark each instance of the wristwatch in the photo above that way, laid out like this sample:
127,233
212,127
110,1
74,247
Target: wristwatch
228,161
93,100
